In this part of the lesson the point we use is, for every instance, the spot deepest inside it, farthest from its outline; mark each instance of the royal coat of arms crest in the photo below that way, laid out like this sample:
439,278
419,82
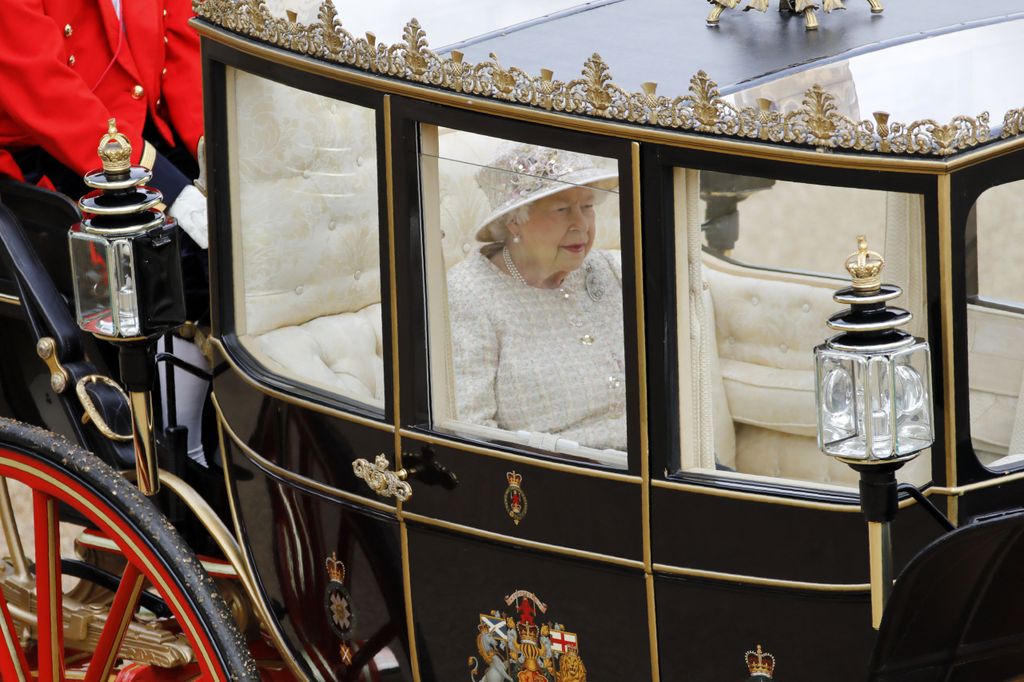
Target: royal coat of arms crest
525,647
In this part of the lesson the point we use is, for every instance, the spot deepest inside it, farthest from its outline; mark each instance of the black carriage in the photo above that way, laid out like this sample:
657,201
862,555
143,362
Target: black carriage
364,522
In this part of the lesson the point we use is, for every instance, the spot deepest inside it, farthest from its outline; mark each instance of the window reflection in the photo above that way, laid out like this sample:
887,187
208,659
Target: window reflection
534,296
995,325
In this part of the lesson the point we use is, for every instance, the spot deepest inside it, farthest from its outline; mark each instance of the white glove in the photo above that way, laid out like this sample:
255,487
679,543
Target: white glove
189,209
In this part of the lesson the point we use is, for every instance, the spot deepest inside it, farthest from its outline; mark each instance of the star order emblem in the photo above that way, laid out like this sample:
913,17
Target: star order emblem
342,617
337,601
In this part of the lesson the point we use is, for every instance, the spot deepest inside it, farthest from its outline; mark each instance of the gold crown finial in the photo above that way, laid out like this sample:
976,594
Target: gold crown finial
335,568
115,151
865,267
760,662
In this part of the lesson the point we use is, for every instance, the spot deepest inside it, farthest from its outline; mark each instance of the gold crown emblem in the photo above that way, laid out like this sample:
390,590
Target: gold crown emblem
115,151
528,633
514,478
335,568
760,662
865,267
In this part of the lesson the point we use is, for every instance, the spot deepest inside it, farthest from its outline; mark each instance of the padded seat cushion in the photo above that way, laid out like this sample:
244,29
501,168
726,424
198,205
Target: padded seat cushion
769,397
342,352
766,330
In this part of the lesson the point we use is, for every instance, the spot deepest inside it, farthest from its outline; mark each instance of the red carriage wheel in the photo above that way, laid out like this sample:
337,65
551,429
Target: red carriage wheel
47,635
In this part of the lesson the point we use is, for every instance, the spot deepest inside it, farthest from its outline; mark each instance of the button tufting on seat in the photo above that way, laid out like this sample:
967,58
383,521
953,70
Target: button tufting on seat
755,300
298,290
306,174
359,161
466,248
357,274
806,307
783,347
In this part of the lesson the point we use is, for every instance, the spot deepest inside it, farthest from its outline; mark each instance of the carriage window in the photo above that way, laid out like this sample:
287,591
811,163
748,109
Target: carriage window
995,325
305,207
525,295
758,262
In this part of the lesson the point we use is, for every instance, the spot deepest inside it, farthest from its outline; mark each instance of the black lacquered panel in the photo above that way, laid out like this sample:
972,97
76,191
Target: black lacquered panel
311,444
560,508
456,579
705,628
774,540
290,536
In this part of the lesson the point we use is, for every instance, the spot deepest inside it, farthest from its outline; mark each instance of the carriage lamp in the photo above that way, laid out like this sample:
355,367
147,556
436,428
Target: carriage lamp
873,396
126,269
125,260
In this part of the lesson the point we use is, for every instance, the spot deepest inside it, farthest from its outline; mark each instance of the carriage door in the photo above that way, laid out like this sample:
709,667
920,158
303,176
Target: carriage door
520,420
302,355
758,538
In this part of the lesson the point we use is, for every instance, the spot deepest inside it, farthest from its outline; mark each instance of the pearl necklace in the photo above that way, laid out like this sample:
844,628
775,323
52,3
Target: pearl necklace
512,269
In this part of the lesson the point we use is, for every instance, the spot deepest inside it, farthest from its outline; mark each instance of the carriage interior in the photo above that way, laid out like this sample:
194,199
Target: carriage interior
757,263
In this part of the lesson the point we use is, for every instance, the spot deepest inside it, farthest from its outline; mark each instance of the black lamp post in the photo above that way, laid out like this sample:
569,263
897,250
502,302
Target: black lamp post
873,394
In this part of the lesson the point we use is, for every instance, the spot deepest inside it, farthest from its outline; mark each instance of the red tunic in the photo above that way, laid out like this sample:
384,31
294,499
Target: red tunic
65,68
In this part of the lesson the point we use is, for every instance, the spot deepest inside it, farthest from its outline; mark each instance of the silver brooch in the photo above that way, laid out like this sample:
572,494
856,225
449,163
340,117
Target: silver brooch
594,285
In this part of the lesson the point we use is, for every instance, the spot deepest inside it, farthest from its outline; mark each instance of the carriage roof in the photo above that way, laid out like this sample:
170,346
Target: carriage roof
667,41
923,79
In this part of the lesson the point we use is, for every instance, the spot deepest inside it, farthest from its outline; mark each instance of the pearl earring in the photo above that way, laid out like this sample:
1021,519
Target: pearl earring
516,239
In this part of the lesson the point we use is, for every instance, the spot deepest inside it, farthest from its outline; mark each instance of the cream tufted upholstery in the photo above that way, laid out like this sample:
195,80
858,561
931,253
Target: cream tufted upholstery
306,236
766,327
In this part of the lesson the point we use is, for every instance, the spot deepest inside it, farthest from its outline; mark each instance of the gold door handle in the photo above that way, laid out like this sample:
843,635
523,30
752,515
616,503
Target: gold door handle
381,479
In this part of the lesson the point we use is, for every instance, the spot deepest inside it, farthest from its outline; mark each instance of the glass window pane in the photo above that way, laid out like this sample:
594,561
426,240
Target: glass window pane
759,261
305,209
529,309
995,325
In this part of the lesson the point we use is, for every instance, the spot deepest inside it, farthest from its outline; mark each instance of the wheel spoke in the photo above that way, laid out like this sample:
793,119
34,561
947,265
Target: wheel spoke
11,534
13,664
126,600
49,593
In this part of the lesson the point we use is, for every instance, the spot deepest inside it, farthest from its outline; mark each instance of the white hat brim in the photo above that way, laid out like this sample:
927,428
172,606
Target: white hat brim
597,178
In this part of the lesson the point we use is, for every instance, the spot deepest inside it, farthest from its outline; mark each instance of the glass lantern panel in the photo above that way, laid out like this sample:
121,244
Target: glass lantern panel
840,400
126,300
90,266
106,298
913,406
874,407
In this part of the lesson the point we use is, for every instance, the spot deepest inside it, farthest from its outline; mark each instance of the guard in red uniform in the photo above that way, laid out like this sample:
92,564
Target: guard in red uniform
67,66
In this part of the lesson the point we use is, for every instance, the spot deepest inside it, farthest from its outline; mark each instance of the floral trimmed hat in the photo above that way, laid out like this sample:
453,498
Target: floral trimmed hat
524,173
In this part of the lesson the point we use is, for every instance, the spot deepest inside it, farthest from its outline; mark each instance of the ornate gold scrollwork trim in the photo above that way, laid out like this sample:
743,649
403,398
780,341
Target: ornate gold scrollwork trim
817,123
381,479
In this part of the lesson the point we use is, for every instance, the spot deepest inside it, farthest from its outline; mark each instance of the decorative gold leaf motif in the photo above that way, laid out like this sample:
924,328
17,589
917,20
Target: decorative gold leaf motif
595,71
1013,123
818,123
704,100
821,113
415,48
